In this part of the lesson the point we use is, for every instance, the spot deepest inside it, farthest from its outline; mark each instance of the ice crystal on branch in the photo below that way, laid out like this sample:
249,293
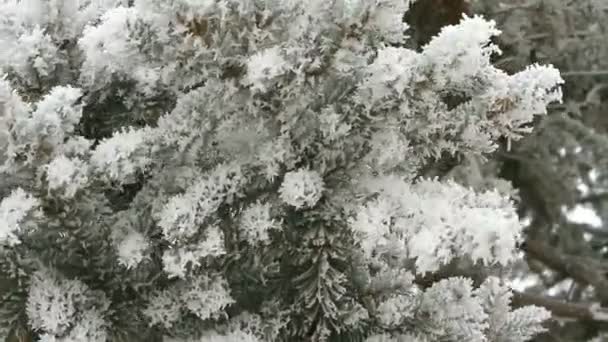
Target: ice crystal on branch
122,155
437,222
301,188
256,223
131,249
178,260
66,174
15,212
263,67
164,308
58,306
207,297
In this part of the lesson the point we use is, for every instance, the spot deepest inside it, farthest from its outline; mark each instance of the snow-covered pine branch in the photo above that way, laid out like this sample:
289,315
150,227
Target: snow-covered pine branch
244,170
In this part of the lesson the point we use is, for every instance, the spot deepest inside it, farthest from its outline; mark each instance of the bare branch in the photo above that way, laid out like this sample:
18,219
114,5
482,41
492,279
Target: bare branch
594,197
597,232
584,270
584,73
560,308
508,9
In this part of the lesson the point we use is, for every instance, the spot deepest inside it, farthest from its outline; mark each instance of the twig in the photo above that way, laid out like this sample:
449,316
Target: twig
584,73
594,197
507,9
583,270
560,308
597,232
575,35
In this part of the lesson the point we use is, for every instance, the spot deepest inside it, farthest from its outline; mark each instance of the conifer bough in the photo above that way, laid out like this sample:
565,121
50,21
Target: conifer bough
246,170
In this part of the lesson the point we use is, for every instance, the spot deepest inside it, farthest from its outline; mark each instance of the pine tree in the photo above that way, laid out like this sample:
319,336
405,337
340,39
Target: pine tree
239,170
560,168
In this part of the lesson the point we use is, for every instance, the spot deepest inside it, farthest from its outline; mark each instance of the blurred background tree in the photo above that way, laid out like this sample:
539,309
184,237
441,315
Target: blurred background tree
559,174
